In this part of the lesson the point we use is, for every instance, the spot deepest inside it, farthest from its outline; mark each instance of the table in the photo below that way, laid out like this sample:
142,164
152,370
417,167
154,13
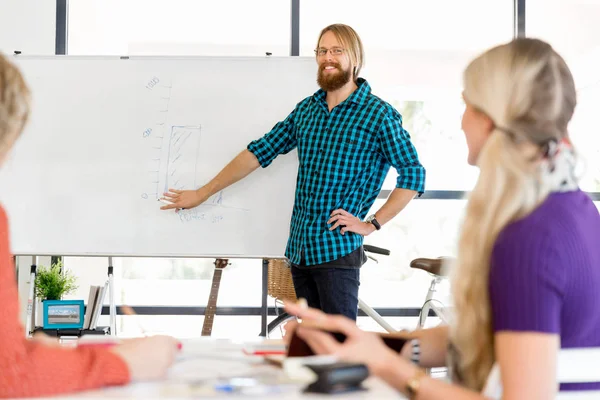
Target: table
205,363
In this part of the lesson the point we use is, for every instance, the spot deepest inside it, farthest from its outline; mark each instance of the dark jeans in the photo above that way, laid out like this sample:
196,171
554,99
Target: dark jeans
333,290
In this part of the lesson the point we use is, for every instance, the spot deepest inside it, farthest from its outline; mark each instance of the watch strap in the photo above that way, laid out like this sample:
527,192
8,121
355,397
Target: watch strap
372,220
376,224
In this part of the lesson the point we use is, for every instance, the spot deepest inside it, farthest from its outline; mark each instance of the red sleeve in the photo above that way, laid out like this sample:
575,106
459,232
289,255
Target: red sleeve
32,369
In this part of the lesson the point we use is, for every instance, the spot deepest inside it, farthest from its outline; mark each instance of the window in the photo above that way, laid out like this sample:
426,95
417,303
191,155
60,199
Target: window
396,26
415,53
434,126
179,27
426,228
572,29
174,282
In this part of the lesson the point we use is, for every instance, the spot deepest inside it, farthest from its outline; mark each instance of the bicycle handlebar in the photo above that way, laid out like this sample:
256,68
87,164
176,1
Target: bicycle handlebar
376,250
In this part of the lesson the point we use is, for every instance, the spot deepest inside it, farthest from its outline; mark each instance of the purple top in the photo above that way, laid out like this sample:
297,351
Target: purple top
545,273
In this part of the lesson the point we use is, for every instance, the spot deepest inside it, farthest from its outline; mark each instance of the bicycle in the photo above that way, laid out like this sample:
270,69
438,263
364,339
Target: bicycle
281,288
438,269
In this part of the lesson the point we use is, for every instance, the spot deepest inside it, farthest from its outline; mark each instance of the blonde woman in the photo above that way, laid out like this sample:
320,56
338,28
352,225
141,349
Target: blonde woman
528,263
30,368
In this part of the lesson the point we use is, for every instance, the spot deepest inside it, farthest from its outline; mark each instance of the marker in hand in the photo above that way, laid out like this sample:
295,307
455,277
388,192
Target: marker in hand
168,202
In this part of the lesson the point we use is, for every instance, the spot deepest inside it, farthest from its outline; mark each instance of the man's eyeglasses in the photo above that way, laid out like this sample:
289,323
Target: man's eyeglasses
335,51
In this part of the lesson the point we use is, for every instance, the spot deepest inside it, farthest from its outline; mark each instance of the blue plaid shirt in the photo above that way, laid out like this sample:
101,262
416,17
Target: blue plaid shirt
344,156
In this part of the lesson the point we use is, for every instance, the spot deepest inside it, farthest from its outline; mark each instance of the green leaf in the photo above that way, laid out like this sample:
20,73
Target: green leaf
53,283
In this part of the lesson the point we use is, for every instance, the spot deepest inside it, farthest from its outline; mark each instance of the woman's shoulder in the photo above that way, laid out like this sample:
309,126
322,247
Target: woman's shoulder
559,229
558,214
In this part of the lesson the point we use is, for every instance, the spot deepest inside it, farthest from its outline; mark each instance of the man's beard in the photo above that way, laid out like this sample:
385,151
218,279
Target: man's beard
330,82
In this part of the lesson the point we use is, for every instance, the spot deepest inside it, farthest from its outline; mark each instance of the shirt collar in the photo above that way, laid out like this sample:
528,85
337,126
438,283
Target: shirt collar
357,97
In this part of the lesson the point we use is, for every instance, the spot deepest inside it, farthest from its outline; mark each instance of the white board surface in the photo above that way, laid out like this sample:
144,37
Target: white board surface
107,136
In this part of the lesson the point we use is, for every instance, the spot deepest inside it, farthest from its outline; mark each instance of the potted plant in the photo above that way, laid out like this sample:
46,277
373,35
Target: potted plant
51,284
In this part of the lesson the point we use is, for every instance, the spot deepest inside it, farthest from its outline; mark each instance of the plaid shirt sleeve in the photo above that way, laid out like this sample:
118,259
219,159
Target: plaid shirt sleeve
281,140
401,154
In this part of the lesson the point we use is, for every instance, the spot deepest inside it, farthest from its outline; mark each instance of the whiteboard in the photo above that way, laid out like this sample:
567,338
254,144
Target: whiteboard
108,135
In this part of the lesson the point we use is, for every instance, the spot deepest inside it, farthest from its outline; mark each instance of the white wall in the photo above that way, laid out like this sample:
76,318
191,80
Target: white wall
28,26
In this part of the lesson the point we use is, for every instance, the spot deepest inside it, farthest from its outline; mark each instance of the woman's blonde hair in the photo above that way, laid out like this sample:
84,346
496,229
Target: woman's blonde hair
351,42
14,103
528,92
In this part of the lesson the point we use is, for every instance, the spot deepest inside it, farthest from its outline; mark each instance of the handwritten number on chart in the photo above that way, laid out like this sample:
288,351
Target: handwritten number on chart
152,83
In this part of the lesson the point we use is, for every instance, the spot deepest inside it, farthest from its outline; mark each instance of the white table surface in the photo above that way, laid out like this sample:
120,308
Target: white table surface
204,363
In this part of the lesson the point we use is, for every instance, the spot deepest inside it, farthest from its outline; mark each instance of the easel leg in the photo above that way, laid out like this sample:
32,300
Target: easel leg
30,320
112,310
264,309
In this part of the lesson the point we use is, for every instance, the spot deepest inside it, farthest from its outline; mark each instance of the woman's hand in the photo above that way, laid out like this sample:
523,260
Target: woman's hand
362,347
40,337
149,357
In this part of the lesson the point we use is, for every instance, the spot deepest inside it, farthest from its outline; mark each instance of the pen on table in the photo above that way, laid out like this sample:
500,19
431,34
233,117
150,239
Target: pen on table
129,311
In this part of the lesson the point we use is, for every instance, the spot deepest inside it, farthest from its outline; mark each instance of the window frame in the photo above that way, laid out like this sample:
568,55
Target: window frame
264,311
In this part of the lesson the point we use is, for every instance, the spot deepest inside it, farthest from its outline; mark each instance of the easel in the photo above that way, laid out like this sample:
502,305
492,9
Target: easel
30,320
265,293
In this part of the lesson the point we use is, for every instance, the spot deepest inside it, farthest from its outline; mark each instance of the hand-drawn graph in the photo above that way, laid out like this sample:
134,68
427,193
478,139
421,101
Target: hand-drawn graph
175,157
182,146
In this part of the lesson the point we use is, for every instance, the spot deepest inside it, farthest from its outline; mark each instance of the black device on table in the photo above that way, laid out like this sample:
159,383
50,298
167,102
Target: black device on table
339,377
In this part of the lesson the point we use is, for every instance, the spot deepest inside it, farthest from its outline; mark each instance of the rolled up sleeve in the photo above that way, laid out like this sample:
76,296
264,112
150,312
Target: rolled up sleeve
280,140
401,154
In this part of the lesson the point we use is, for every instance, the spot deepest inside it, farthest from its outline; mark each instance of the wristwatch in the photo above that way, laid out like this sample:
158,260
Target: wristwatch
371,219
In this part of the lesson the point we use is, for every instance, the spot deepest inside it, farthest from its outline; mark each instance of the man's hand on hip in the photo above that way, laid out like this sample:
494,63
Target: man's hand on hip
349,223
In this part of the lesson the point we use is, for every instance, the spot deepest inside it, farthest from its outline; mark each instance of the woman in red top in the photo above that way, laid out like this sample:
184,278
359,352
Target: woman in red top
33,367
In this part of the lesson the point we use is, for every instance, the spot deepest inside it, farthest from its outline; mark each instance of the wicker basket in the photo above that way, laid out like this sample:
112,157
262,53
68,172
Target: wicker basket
281,286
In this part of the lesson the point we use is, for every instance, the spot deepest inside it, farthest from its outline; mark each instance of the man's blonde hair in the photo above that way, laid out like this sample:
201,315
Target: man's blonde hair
351,42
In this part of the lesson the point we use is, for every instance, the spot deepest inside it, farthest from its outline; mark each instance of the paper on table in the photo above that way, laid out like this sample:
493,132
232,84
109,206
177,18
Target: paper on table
209,358
202,369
